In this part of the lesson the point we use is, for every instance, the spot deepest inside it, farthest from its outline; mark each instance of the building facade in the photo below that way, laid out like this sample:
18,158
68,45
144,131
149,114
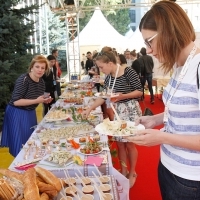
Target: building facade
191,7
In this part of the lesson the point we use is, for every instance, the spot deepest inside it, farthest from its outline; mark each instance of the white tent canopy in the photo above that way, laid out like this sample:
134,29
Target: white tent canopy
136,41
99,32
129,33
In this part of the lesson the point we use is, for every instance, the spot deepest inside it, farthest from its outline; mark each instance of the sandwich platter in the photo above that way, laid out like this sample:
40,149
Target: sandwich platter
113,128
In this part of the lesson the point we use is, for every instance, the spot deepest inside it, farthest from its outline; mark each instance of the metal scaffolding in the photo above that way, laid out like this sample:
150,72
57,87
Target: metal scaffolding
71,15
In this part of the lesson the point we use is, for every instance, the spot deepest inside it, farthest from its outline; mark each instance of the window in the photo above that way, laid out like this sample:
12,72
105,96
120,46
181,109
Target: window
132,16
133,28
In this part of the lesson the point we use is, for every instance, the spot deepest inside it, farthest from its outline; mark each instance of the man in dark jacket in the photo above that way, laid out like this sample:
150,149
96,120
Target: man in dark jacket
146,64
89,63
50,82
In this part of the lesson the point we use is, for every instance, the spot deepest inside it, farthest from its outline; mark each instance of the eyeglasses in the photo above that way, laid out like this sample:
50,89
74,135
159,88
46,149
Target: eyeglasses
147,42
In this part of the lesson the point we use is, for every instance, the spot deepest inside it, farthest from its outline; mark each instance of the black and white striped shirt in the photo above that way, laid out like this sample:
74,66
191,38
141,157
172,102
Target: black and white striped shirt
26,88
126,83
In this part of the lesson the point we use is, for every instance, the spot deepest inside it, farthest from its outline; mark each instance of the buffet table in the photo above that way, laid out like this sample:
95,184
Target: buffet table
34,149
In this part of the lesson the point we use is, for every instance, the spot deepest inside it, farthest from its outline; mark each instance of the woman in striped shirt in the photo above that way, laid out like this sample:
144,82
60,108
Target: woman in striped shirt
20,113
169,36
126,83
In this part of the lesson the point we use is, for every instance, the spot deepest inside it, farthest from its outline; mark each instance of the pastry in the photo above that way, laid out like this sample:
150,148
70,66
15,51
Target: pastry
44,196
104,179
68,191
82,139
86,180
87,197
12,175
49,177
7,191
66,198
105,188
31,191
89,189
50,190
108,196
70,180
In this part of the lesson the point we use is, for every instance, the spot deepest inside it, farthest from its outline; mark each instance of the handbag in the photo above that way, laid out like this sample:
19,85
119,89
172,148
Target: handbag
147,111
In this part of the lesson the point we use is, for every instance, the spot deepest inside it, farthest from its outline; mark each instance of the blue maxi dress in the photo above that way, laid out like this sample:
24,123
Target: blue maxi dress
17,128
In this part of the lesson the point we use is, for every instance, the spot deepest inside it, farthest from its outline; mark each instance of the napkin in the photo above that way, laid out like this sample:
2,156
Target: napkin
91,160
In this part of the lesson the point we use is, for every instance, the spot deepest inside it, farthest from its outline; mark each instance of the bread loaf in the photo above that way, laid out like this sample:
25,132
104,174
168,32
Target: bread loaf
12,175
39,179
49,177
50,190
31,191
44,196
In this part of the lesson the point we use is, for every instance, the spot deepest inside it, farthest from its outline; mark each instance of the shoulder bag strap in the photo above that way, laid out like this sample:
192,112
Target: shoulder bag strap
198,76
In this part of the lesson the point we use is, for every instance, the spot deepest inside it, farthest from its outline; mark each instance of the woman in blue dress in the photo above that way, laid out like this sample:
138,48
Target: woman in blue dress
20,113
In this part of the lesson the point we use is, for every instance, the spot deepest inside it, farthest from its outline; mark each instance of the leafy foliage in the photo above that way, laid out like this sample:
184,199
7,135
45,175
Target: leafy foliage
56,30
15,29
119,19
57,37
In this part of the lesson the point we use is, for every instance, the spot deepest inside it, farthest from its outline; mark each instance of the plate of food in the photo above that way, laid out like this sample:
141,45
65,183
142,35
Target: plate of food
60,158
105,95
56,115
118,129
90,148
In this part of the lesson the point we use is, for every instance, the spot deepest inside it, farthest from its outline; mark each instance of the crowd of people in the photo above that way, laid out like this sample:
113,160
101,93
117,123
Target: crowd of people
142,64
169,36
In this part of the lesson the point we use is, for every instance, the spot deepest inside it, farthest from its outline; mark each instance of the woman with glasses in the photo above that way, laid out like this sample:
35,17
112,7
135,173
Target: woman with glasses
169,36
126,83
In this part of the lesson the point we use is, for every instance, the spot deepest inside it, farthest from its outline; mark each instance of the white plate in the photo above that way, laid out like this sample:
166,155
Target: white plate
101,129
89,154
63,97
55,120
98,94
68,162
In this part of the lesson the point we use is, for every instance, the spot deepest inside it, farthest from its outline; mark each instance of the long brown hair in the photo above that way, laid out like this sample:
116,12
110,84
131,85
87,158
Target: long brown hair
175,31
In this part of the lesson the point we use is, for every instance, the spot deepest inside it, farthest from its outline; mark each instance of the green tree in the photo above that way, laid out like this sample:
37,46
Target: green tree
57,37
57,31
15,29
119,19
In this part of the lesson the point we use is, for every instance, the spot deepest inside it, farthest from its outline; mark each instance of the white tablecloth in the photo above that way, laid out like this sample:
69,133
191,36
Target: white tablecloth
108,169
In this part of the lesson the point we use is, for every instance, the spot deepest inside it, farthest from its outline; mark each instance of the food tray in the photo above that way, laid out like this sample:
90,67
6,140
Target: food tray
112,183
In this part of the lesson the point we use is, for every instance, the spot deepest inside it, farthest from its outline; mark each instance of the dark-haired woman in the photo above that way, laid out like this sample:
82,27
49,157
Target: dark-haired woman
50,82
122,60
127,84
20,115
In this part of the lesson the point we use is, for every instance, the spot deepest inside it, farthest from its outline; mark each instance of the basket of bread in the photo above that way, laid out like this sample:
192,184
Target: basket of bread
35,184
